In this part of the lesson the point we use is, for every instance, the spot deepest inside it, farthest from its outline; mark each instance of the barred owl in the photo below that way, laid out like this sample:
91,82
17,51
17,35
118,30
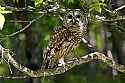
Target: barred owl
64,38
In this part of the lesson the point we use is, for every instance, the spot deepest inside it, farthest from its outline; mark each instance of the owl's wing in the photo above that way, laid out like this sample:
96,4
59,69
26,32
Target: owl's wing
62,41
50,56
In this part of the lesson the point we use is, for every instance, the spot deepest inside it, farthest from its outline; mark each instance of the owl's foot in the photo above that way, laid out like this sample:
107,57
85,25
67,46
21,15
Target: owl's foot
61,62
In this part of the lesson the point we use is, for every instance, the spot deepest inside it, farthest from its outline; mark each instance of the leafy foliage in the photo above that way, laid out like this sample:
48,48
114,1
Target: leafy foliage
97,5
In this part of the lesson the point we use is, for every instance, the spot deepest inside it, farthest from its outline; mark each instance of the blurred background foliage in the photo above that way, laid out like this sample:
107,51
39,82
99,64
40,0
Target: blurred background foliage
28,46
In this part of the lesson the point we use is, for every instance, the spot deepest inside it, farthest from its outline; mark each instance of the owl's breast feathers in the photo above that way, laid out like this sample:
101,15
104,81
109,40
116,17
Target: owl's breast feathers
62,41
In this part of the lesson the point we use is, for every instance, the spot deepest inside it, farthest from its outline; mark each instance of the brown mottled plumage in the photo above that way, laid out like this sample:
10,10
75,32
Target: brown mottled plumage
64,38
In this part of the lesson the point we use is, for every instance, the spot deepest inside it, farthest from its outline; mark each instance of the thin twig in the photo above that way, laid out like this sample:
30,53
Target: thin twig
23,29
19,21
115,10
14,77
120,8
104,19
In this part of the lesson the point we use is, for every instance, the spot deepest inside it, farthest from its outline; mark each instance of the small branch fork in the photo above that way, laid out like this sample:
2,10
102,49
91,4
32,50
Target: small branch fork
5,54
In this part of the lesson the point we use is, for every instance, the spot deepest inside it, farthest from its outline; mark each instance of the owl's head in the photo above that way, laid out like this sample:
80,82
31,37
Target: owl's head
74,17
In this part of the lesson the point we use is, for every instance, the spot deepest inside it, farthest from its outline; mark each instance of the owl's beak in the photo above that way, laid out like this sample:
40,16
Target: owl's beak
74,22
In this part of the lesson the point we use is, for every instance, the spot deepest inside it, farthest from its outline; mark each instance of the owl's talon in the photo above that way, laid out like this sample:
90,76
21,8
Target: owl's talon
61,62
91,56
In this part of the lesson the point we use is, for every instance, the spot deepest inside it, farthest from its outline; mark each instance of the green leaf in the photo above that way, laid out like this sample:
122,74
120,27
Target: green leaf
46,37
97,7
3,11
2,8
2,20
103,1
38,3
50,0
78,51
70,1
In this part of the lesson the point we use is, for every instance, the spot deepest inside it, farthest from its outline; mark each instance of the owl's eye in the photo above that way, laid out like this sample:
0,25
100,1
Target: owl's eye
77,16
69,16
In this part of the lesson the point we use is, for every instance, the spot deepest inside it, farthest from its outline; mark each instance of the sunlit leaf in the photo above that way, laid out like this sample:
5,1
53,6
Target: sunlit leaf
5,12
102,0
97,7
38,3
2,8
2,20
50,0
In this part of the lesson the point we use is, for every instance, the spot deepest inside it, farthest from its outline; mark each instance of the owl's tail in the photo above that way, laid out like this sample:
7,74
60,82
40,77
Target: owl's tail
48,63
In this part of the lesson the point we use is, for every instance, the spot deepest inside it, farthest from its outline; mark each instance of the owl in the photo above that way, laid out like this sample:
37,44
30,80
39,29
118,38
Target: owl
65,38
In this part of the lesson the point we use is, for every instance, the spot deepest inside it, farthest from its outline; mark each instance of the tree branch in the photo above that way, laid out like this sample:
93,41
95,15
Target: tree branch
5,53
